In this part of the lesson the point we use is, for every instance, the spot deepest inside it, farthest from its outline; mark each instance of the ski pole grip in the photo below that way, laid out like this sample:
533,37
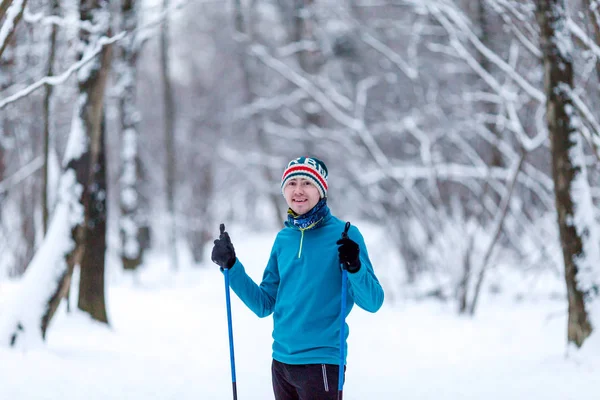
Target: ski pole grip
221,229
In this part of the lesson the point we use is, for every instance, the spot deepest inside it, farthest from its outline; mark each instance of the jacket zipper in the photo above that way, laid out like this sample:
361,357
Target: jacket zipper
301,240
325,383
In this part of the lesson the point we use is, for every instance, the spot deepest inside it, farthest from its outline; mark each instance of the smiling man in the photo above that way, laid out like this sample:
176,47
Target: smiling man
302,285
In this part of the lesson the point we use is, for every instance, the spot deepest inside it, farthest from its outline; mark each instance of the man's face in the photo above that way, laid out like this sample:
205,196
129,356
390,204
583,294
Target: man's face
301,195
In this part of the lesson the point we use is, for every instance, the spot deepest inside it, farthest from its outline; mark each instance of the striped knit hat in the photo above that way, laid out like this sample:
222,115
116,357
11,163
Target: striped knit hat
310,168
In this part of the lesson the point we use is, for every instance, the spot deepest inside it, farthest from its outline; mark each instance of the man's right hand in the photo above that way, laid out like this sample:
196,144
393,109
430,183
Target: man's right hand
223,253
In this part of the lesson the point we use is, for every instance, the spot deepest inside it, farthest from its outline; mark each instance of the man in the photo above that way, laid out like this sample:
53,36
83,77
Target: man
302,285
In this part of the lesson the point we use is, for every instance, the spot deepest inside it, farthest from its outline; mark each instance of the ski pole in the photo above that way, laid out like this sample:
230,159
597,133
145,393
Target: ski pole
343,320
229,324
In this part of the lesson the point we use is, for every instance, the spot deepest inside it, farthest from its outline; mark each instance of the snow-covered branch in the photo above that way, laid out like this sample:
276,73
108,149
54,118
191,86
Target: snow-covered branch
25,171
43,19
4,4
583,38
588,116
391,55
505,10
14,13
309,87
20,319
59,79
87,26
450,18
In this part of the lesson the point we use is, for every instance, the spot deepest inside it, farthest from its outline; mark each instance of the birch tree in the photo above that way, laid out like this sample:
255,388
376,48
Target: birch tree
134,230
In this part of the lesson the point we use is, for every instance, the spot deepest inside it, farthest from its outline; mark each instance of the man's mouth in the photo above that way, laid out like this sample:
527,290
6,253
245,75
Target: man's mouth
300,200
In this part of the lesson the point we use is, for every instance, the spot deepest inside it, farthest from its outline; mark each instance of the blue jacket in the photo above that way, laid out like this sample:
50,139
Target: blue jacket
301,286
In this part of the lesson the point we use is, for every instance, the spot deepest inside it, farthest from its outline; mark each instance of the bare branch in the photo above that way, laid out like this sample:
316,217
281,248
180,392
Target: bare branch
497,229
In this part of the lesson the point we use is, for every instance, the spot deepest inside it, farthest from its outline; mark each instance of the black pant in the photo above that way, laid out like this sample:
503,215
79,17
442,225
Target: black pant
305,382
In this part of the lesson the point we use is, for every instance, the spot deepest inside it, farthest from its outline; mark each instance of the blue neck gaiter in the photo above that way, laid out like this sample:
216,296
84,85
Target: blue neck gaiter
311,219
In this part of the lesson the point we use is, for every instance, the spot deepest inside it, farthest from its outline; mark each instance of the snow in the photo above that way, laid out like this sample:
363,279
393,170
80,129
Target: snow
168,340
78,141
27,305
583,218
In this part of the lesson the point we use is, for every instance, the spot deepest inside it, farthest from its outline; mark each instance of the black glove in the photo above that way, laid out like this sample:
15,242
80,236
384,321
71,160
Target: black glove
349,252
223,253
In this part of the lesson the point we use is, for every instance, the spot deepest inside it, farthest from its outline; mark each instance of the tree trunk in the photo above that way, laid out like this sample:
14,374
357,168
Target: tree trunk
133,225
91,280
47,96
91,102
2,166
558,78
485,37
169,119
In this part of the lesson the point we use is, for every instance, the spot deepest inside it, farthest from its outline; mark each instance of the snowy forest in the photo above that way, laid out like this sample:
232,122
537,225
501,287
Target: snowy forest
468,130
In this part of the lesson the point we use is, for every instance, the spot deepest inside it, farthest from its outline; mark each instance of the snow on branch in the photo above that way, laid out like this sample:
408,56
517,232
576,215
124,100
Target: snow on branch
583,219
4,4
21,174
14,13
104,41
274,103
58,79
19,322
309,87
505,10
43,19
453,172
583,38
391,55
588,116
451,20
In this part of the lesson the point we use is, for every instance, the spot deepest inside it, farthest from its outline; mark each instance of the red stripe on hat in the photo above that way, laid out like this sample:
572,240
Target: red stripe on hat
305,169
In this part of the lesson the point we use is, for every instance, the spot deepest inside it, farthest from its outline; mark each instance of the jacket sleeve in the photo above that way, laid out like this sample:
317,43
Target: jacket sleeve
363,285
258,298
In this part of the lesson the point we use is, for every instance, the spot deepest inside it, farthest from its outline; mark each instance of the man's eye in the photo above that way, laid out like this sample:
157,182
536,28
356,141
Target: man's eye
306,183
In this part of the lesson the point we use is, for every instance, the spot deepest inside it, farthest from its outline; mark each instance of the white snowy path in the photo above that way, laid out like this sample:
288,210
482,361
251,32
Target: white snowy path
168,340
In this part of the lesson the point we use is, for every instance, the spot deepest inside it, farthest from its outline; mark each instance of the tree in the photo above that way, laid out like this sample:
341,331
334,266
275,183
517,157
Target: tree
134,230
169,136
54,5
93,231
49,274
568,168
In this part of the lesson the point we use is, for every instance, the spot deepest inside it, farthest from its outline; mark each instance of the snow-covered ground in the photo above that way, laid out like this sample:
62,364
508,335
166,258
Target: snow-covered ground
168,340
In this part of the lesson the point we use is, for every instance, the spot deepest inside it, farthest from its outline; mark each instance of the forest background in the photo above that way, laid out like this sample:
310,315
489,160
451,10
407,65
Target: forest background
468,130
